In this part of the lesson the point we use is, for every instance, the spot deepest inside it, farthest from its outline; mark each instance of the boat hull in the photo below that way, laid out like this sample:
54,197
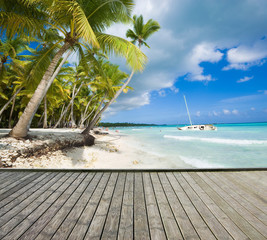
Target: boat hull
207,127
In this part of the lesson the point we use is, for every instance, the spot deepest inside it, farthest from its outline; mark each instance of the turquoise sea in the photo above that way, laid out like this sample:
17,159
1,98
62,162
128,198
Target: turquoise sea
232,145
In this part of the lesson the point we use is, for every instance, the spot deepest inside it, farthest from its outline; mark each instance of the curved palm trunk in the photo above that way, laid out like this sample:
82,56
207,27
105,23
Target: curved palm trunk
90,126
45,113
11,113
72,121
66,109
23,125
98,115
9,101
84,115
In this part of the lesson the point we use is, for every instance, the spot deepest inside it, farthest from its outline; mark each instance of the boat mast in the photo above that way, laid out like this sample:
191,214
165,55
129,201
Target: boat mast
187,111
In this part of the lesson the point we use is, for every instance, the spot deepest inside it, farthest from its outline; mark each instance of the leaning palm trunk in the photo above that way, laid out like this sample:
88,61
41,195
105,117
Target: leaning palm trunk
9,101
72,121
45,113
22,127
66,109
84,115
11,113
98,115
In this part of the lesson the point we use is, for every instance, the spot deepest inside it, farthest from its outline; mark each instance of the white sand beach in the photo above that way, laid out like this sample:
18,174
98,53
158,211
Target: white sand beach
111,151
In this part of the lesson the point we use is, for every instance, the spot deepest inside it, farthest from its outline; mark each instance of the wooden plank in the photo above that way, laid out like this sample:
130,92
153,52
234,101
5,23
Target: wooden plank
126,219
170,225
254,184
213,223
256,223
70,220
228,224
31,199
230,212
4,176
155,223
184,223
36,207
233,191
98,221
85,219
59,210
113,217
22,183
200,226
252,197
18,196
255,177
12,178
141,228
13,184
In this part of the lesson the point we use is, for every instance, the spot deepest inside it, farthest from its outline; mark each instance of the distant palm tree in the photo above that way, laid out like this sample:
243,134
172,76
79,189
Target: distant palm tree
140,33
10,50
80,22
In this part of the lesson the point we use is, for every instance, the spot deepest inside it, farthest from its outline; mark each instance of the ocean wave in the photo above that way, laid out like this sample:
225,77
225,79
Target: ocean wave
200,163
134,129
219,140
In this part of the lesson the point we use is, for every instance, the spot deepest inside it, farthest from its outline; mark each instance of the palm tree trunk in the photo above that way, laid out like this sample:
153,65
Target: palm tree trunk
40,120
84,115
22,127
45,113
72,121
95,119
9,101
93,122
11,113
66,109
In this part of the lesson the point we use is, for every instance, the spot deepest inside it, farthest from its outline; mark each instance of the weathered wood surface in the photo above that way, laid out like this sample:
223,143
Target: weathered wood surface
133,204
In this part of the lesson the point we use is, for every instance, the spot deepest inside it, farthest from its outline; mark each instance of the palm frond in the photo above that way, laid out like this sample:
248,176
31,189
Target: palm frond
135,58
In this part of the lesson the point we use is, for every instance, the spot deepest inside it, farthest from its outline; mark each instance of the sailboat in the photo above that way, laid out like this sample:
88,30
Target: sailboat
196,127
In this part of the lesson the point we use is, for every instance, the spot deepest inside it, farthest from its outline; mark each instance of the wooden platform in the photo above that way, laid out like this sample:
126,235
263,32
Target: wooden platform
133,204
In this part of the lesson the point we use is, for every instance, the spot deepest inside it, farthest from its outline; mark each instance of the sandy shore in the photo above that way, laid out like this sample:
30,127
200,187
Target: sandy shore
111,151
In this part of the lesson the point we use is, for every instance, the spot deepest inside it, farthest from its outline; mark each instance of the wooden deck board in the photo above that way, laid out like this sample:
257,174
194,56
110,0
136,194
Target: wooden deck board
133,204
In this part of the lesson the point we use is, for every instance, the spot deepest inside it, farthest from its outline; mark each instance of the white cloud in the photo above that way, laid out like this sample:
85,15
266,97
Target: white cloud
193,32
203,52
252,109
162,93
235,112
226,112
240,99
244,79
174,89
245,56
265,92
198,113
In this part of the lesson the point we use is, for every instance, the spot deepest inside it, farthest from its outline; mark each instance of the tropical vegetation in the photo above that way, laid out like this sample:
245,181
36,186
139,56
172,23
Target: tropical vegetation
38,86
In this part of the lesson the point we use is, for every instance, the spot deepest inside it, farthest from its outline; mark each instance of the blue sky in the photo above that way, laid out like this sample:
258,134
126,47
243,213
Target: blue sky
214,52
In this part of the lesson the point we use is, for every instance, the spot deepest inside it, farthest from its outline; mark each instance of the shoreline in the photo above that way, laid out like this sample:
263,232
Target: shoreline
110,151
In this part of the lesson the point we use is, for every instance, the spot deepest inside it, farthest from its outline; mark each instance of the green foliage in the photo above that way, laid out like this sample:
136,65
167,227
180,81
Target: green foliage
50,24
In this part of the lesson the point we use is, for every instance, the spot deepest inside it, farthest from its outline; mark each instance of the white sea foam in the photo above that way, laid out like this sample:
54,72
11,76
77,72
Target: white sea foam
134,129
218,140
200,163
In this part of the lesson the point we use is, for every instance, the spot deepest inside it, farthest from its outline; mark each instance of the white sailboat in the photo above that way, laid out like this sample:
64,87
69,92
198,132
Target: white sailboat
196,127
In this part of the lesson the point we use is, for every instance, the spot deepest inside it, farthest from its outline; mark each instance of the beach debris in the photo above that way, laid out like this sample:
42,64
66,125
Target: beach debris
13,150
135,162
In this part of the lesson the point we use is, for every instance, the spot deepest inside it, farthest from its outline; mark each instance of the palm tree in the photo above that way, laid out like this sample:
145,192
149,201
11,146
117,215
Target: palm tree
10,50
140,33
109,84
81,23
